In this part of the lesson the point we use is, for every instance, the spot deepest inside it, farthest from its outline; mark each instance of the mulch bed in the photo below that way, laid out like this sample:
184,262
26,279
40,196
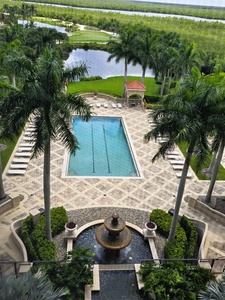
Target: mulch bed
217,203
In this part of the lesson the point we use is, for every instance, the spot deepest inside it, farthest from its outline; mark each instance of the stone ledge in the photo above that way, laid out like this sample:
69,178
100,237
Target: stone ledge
202,207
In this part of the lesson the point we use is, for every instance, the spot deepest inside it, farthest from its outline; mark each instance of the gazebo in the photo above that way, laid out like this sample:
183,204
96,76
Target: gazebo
134,88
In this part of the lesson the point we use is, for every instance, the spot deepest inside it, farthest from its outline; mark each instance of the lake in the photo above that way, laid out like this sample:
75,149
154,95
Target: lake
98,65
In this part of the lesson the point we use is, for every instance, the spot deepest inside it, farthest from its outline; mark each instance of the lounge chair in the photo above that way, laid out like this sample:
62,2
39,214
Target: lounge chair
24,148
21,160
27,144
98,104
105,105
189,175
174,157
119,105
16,172
18,166
178,167
23,154
113,105
176,162
173,152
28,138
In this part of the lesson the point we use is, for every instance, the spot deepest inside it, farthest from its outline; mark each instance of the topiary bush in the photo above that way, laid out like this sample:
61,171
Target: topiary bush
58,219
34,236
192,236
163,220
26,231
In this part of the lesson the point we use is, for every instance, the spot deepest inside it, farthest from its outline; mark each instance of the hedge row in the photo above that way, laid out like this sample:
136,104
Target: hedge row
34,236
177,247
192,236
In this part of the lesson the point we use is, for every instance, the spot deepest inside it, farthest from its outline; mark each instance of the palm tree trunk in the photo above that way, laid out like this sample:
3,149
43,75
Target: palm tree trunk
46,185
215,171
143,75
163,85
180,191
2,191
125,76
212,163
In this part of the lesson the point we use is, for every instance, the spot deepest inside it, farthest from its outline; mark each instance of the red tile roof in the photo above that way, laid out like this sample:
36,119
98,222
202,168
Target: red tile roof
135,85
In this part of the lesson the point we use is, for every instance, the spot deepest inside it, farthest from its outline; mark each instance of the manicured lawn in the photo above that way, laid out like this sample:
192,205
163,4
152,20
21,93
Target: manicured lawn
221,174
5,155
87,36
112,86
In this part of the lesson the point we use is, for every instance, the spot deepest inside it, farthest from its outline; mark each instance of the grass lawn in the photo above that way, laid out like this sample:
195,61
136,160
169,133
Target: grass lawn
88,36
5,155
221,174
112,86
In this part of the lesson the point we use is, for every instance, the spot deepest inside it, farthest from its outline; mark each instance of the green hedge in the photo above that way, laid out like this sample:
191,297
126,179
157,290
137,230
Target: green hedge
26,231
91,78
177,247
192,236
34,236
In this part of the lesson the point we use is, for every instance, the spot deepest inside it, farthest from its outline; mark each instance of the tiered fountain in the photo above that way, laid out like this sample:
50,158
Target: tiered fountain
113,234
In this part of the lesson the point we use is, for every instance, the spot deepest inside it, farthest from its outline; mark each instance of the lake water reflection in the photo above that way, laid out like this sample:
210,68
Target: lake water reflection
98,65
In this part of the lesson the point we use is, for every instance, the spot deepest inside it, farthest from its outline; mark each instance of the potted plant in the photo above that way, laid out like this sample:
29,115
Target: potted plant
70,226
150,226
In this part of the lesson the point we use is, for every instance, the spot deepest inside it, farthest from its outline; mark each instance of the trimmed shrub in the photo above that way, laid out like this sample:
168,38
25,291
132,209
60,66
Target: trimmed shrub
58,219
26,230
192,236
34,236
92,78
163,220
152,99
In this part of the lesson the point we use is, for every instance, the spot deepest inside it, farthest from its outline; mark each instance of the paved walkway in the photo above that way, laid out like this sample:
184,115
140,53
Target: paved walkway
157,188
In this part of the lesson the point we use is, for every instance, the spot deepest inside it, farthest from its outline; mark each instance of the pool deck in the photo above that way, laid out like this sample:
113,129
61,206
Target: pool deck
157,188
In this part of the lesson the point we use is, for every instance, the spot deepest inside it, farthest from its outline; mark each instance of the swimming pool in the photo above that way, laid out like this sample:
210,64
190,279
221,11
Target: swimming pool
104,149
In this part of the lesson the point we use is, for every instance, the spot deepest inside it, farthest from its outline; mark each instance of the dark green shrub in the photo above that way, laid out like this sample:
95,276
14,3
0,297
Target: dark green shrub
26,230
163,220
192,236
34,236
58,219
152,99
74,273
92,78
174,249
174,280
47,250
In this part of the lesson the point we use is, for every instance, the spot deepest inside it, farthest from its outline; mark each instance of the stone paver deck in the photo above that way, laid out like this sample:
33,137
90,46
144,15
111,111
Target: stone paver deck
157,188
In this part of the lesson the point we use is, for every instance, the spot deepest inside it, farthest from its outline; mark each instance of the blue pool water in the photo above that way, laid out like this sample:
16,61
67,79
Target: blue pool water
104,150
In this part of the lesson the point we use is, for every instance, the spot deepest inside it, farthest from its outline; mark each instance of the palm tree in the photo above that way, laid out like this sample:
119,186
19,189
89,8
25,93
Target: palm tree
30,286
143,53
2,191
41,99
184,117
215,290
122,48
218,145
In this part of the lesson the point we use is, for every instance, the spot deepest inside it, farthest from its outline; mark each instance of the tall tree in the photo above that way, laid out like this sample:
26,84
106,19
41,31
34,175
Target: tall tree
41,99
143,53
122,48
184,117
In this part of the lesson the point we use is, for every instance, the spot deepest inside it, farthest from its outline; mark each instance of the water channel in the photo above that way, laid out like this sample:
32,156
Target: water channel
148,14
